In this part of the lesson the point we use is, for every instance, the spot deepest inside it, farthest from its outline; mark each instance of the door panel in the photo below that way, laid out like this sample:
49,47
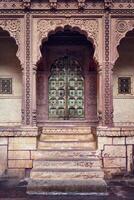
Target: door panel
66,90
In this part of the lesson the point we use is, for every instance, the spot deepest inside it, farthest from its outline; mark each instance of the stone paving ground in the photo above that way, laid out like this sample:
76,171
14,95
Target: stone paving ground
117,190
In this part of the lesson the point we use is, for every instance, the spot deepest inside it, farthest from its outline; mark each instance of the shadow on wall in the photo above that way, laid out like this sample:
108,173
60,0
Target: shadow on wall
10,81
126,50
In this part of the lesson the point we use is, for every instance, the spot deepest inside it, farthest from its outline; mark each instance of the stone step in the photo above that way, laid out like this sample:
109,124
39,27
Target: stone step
67,186
66,154
66,174
69,164
66,145
64,137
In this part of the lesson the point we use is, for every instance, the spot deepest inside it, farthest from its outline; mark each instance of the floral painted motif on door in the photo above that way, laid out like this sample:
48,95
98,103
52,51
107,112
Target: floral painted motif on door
66,89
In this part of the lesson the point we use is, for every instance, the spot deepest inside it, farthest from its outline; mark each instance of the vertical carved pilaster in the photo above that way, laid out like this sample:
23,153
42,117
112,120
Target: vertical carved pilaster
111,94
34,96
28,72
23,98
108,115
100,96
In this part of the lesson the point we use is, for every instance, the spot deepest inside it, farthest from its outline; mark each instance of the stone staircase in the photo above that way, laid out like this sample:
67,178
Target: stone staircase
66,161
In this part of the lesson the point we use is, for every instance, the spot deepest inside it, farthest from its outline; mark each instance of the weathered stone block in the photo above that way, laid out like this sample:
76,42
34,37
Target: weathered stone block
114,151
41,154
22,143
63,137
69,175
79,164
103,141
3,140
130,140
66,145
3,159
115,162
20,164
19,155
118,140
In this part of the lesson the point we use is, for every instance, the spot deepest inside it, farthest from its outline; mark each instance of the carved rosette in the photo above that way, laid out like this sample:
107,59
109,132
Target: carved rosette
13,26
122,26
89,26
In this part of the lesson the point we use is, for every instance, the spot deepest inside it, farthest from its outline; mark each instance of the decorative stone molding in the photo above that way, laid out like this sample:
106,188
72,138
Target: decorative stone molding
67,130
66,5
124,124
115,132
26,4
13,26
53,4
108,4
89,26
12,132
81,4
120,27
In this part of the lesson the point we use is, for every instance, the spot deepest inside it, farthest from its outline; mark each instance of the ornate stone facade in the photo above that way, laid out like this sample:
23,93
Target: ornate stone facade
104,24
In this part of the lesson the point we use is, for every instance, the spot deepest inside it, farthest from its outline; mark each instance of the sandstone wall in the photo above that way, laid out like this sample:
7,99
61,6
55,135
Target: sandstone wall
115,146
116,151
15,155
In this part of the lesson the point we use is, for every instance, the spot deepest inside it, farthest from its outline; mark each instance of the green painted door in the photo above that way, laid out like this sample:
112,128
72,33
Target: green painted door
66,89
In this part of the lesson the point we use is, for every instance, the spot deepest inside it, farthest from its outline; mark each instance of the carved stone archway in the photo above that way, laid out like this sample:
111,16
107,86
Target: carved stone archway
13,26
88,27
42,28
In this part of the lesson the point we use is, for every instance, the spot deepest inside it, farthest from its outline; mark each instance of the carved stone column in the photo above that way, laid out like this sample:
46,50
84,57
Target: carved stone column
28,80
108,90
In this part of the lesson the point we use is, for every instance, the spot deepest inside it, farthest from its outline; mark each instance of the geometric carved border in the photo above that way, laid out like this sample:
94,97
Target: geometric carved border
108,107
115,132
